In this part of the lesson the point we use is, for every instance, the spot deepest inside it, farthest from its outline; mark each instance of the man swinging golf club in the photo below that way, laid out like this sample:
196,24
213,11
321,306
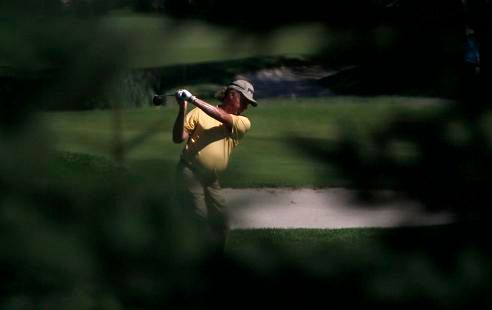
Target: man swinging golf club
211,133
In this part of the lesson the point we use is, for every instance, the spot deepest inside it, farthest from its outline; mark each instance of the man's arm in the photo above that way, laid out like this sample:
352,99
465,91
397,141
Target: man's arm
179,133
214,112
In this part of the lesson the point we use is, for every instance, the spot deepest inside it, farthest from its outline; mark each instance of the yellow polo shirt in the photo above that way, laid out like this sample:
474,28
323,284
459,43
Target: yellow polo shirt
210,143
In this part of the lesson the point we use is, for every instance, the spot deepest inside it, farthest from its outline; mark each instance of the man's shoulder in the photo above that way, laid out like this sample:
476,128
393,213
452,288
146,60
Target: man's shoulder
241,123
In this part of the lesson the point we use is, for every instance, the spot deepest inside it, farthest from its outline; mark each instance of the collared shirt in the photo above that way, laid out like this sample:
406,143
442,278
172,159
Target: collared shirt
210,142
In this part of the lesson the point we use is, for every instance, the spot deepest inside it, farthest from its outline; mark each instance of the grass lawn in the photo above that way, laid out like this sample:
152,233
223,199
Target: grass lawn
304,240
434,240
442,266
363,245
266,157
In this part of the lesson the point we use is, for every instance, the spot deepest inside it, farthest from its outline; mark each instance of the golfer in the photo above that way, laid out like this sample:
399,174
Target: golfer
211,133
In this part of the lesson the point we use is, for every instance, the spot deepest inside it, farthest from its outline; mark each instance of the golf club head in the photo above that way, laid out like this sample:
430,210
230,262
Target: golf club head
158,100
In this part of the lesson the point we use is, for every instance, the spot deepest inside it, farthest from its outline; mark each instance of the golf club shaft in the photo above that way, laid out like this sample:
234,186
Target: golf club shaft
161,99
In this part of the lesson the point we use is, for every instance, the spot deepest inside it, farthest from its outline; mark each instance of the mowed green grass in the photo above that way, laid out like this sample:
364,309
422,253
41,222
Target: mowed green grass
268,155
443,264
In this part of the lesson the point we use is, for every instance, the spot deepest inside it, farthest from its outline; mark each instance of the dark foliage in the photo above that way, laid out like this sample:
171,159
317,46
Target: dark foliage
81,232
261,15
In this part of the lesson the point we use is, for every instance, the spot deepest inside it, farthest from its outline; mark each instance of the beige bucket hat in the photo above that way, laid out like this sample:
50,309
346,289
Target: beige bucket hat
245,88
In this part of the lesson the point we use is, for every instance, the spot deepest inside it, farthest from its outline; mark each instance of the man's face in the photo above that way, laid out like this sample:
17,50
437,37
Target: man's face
243,105
236,103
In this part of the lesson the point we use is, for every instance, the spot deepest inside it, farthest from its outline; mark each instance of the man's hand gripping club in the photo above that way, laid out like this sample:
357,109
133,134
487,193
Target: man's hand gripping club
184,94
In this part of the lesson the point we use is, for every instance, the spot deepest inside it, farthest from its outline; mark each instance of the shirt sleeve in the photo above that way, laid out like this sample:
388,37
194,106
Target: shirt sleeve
191,120
240,127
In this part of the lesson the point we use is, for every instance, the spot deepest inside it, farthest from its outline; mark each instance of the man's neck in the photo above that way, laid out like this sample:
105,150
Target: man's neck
226,108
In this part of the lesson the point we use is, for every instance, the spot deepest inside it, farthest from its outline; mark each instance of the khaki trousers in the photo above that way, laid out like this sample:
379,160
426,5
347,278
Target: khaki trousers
201,192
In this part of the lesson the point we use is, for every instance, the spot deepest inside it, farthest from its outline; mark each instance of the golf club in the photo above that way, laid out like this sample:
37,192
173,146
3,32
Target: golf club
161,99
